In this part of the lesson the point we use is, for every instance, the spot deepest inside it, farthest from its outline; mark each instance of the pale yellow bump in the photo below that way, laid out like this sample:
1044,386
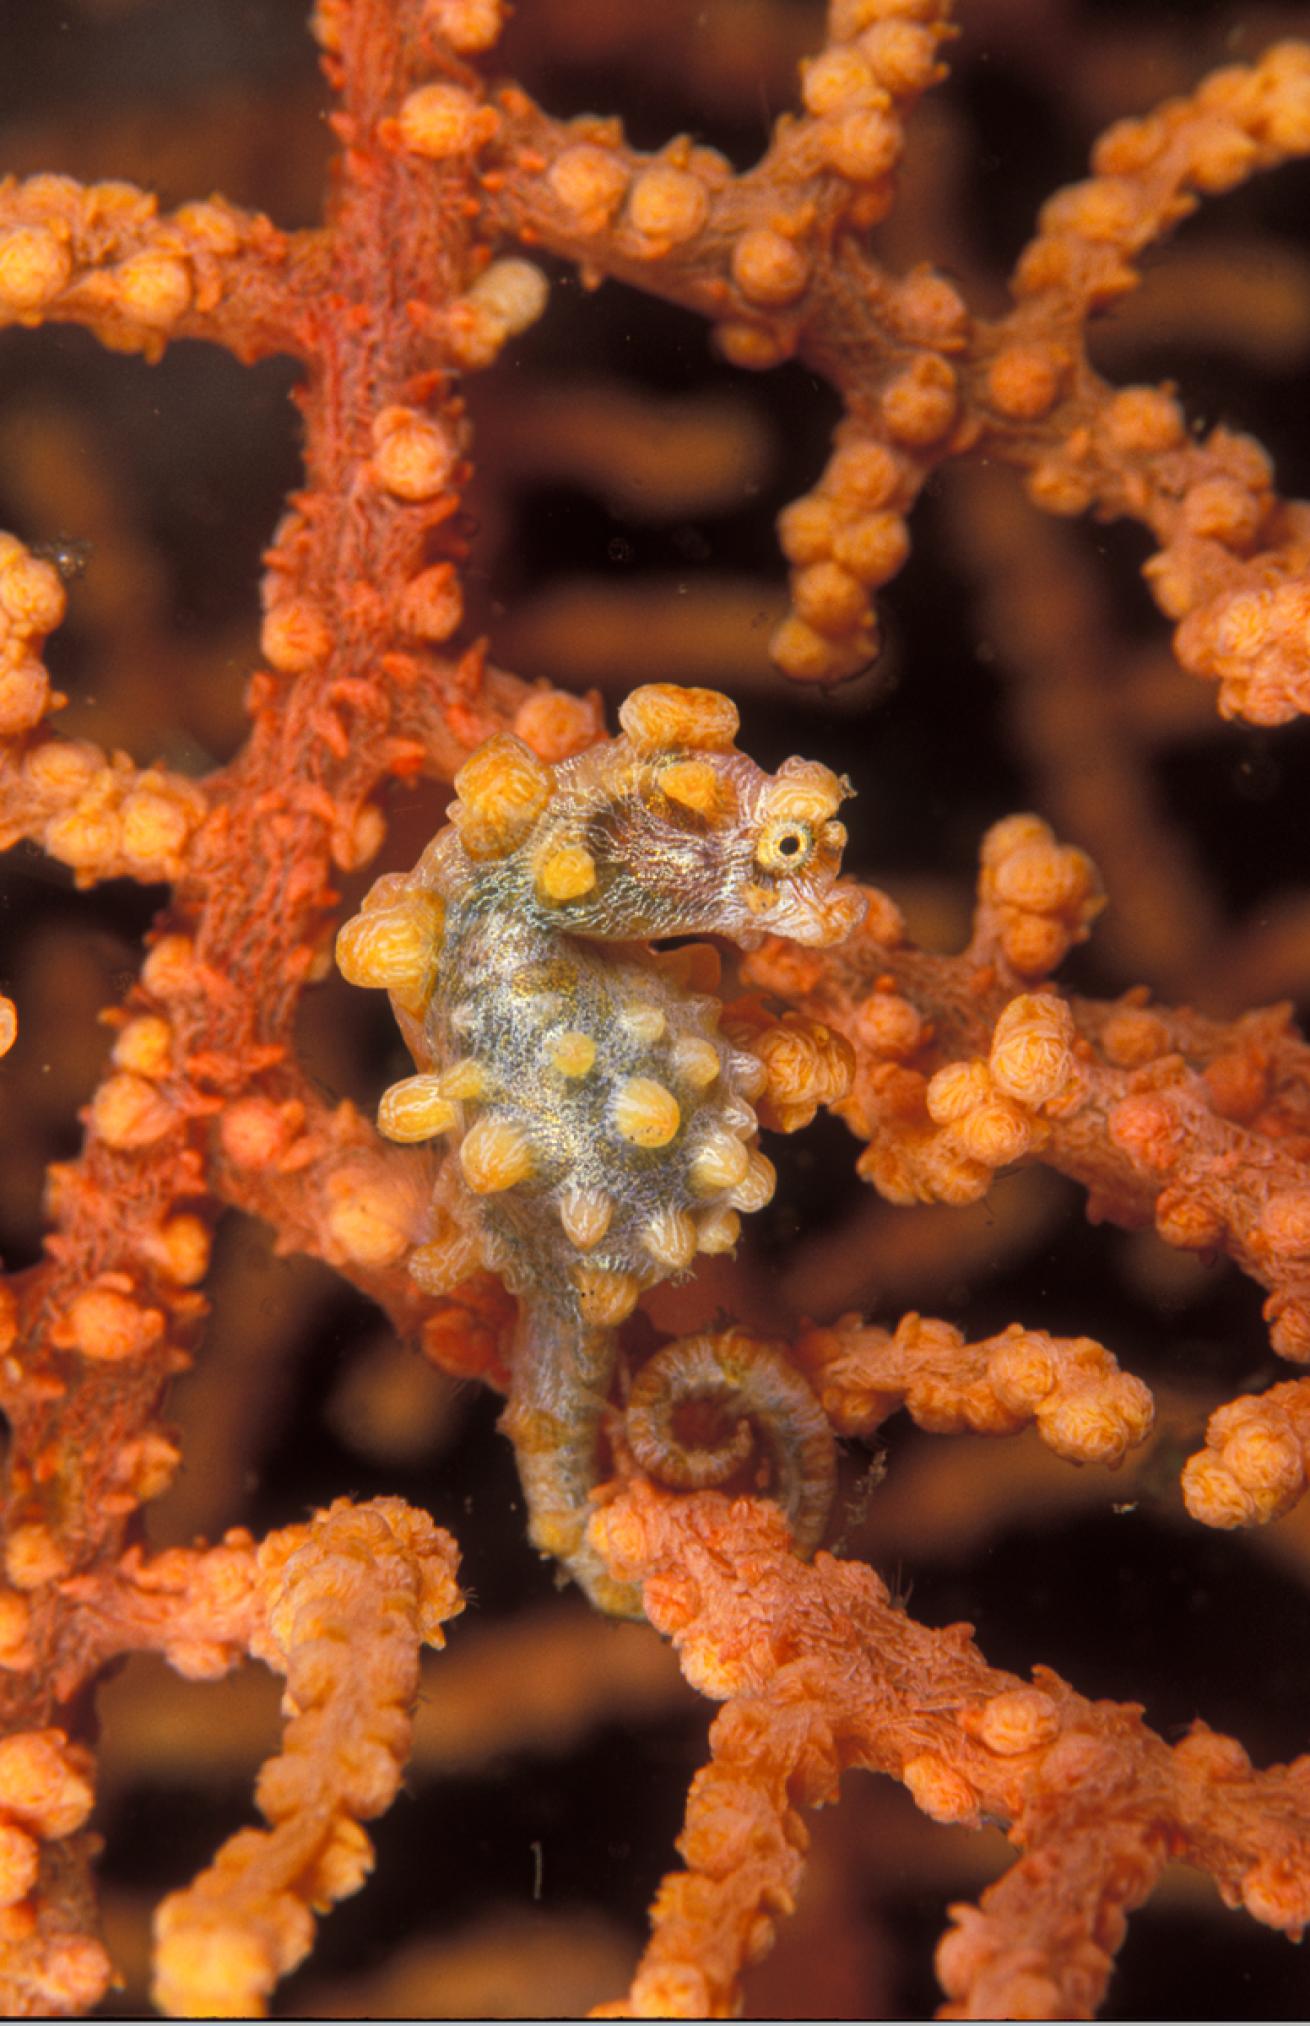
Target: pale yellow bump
717,1230
212,225
1031,1055
393,948
645,1113
154,827
413,457
736,1116
57,770
127,1111
768,268
495,1154
20,1864
585,1215
441,121
145,1045
605,1298
295,636
32,594
667,204
556,1534
444,1263
571,1053
415,1109
695,1060
759,1185
695,785
464,1081
183,1249
502,790
671,1238
33,1556
659,715
805,791
721,1163
751,346
749,1074
591,182
956,1089
506,298
643,1024
470,26
997,1131
368,1222
155,288
34,267
568,873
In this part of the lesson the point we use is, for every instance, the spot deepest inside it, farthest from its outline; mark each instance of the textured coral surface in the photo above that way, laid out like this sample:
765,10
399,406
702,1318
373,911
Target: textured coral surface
358,405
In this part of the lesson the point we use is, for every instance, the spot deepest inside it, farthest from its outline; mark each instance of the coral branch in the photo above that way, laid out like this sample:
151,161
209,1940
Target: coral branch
1043,1941
1231,554
1164,1117
1083,1407
102,816
341,1607
1253,1467
51,1962
924,379
102,256
821,1674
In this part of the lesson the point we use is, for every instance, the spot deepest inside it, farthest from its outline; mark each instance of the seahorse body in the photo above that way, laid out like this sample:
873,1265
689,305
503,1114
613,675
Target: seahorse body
602,1123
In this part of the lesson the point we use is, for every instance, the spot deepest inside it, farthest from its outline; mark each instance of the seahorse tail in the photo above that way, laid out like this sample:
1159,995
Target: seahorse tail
762,1404
560,1380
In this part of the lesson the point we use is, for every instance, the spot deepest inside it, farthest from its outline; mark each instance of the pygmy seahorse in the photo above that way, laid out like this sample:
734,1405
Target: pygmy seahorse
601,1122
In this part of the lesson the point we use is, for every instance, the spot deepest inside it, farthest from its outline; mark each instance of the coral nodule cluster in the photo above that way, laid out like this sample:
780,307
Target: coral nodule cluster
622,957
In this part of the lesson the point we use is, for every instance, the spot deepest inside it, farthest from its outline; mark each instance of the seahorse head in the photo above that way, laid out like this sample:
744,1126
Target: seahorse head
667,830
701,827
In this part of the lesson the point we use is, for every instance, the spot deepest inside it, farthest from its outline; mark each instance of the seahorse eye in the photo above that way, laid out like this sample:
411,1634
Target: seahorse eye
785,846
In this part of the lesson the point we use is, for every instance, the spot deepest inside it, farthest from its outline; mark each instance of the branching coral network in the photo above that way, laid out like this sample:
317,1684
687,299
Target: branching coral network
461,216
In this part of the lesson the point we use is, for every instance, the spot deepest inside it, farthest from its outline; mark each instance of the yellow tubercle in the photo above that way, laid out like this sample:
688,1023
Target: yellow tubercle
394,948
717,1230
415,1109
571,1053
645,1113
695,785
465,1081
442,1265
495,1154
585,1215
805,792
670,1237
643,1024
721,1163
502,789
695,1060
749,1073
758,1187
605,1298
566,874
659,715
